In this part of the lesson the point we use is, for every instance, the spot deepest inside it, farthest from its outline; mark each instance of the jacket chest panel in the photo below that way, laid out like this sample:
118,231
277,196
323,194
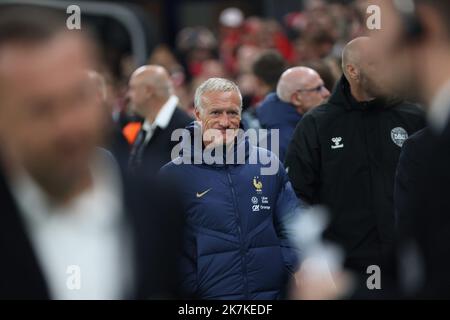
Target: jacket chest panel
224,199
256,195
362,139
209,201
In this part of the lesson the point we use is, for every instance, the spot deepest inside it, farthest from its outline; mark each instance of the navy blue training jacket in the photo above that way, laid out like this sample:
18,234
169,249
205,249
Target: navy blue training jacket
236,243
276,114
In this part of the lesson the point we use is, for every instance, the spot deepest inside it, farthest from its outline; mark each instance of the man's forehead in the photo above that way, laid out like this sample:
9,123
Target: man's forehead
133,81
315,79
36,67
137,79
307,81
221,98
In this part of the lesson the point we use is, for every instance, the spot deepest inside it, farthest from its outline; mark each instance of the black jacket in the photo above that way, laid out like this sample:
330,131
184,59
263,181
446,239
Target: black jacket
344,155
422,206
155,223
158,150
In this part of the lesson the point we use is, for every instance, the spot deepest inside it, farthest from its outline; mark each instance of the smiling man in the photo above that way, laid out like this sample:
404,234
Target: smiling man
220,122
236,244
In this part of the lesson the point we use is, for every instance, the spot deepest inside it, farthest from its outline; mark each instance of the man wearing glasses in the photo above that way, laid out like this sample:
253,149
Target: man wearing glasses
299,90
344,154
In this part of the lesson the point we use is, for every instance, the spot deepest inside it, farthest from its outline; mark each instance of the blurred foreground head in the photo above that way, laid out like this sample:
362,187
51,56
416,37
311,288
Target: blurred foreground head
50,118
414,44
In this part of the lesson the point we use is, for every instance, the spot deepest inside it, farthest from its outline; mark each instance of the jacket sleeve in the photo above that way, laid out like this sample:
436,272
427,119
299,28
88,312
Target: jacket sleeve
187,253
288,208
188,267
303,160
407,189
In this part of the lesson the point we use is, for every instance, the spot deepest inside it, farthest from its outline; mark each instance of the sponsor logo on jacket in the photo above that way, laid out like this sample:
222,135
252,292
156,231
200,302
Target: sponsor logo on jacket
399,136
337,143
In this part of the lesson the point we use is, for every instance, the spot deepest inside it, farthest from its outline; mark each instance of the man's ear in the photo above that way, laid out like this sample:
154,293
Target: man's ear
148,91
295,100
352,72
197,115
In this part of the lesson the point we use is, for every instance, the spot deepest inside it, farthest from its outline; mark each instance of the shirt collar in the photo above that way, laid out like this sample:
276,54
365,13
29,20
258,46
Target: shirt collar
37,208
439,113
164,115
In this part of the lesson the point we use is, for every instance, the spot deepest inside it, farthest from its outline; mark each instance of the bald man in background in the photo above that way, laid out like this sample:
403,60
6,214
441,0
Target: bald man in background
151,96
344,154
299,89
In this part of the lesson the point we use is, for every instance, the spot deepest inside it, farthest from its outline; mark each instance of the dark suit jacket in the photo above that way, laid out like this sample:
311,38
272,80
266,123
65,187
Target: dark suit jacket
422,203
155,222
158,150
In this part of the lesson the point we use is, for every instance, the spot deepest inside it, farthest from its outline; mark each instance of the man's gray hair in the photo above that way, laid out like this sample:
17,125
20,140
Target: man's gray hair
215,84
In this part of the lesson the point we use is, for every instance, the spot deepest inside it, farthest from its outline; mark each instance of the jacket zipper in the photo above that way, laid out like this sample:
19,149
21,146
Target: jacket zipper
243,253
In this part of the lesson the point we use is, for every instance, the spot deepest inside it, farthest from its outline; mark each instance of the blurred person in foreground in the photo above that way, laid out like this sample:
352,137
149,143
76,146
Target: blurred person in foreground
415,31
151,96
344,153
71,227
238,208
417,48
299,90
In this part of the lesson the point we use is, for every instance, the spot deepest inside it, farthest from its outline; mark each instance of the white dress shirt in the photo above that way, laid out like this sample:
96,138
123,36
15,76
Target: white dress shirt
162,118
82,246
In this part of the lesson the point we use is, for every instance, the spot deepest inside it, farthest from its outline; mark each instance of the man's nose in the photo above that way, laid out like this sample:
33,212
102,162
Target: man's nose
224,121
325,93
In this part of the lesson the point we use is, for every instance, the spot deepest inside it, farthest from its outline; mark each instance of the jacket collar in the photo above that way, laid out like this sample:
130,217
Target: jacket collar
25,271
164,115
272,112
